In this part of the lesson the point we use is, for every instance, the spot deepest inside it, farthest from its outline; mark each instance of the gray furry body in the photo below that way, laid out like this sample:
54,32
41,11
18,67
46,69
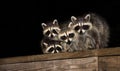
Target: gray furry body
102,28
94,27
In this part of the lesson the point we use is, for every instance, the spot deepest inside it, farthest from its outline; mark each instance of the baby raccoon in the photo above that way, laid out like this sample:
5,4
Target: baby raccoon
69,38
51,46
51,29
92,25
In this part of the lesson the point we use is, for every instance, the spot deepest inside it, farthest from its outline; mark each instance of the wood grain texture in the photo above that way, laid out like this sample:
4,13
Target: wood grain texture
83,64
110,63
90,60
58,56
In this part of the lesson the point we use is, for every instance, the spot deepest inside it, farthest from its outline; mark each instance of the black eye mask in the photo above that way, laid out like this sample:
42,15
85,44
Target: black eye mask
71,35
58,48
51,49
54,49
47,33
77,28
85,27
54,31
63,37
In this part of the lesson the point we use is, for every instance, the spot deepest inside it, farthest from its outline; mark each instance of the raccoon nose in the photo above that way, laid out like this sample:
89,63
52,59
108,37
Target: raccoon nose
51,36
81,32
69,42
55,51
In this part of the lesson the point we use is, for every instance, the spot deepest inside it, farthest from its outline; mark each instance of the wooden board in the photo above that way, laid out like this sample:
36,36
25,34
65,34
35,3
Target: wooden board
110,63
83,64
58,56
91,60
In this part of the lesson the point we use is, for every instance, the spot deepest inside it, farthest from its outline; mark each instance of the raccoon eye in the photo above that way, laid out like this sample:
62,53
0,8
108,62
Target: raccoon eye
54,31
77,28
51,49
58,48
71,35
47,33
86,27
63,37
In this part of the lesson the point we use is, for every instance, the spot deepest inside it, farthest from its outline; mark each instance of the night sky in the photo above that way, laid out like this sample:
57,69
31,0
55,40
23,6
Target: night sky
21,30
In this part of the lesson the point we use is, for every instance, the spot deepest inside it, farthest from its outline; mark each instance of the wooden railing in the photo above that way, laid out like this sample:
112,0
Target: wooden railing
106,59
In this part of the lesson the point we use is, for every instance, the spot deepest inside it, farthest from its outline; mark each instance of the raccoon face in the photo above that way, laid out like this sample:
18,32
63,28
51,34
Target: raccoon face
67,36
81,25
51,30
53,48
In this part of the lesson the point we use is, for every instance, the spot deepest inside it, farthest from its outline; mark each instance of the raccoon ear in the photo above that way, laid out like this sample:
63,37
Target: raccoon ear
87,17
45,44
55,22
70,25
73,19
44,25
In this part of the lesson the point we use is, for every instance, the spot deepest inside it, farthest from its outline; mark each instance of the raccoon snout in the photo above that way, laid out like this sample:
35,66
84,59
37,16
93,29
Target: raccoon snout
51,36
55,51
69,42
81,32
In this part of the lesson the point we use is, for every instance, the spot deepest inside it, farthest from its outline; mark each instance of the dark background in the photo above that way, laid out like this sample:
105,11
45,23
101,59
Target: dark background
21,30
